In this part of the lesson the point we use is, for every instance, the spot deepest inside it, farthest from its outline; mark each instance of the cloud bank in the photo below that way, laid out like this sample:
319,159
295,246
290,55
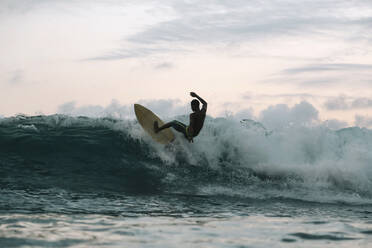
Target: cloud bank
273,117
363,121
329,67
239,21
344,102
16,77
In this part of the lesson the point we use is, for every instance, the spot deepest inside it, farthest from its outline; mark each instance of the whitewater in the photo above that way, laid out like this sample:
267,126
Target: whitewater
103,182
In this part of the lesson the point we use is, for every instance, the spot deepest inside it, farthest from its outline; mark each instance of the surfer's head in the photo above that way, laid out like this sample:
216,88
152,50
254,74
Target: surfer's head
195,105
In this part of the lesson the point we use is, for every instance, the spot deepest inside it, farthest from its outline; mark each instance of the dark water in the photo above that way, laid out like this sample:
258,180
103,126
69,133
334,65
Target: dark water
83,182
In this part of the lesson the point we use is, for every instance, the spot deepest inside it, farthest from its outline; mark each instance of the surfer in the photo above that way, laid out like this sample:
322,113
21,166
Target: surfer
196,120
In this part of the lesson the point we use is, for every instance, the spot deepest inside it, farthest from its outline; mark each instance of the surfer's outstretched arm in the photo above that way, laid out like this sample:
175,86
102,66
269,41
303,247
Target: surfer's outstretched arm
193,94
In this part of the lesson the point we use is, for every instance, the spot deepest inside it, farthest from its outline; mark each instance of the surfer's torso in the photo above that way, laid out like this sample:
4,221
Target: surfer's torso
197,121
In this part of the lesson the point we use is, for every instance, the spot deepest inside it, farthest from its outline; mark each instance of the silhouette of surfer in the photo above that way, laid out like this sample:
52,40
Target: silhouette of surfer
197,118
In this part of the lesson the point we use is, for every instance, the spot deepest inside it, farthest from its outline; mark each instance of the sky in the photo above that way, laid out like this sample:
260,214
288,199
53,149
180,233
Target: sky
265,60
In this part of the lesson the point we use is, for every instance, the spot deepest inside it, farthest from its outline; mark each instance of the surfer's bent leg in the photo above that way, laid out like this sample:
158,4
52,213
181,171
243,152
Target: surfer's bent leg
178,126
158,129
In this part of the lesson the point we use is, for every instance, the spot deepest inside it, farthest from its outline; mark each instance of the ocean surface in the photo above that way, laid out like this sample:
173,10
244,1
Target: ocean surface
102,182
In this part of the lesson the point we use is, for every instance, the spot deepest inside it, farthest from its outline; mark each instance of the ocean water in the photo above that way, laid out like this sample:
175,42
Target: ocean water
102,182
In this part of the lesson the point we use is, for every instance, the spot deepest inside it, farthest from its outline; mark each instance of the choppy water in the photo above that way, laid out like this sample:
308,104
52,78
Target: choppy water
84,182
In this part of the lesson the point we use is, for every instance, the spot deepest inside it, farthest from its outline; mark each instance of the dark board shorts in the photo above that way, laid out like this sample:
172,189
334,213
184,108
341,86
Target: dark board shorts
180,127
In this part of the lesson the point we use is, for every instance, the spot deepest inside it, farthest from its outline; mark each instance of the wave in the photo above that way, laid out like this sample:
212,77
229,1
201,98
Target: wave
228,157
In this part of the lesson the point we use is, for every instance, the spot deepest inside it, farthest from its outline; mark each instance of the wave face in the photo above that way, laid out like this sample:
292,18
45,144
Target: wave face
231,158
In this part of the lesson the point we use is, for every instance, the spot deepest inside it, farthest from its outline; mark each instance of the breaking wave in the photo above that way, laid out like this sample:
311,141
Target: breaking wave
229,157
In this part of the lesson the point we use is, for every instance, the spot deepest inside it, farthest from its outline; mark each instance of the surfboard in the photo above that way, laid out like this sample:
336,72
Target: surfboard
146,118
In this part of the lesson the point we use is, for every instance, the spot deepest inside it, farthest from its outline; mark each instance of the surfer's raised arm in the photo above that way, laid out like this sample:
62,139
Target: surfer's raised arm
193,94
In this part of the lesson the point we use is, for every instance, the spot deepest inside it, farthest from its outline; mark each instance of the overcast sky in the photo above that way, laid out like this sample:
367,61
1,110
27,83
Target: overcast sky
244,57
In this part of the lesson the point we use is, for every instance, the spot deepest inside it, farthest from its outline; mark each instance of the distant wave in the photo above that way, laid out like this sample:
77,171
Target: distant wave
228,157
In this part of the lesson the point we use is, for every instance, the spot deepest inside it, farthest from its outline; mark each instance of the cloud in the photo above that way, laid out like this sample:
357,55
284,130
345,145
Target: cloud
319,82
17,77
361,103
21,6
239,21
164,65
344,102
166,108
249,95
363,121
132,53
337,103
114,109
281,115
191,22
328,67
335,124
318,75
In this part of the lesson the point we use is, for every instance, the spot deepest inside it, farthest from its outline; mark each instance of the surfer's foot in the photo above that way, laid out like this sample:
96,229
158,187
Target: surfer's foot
156,127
